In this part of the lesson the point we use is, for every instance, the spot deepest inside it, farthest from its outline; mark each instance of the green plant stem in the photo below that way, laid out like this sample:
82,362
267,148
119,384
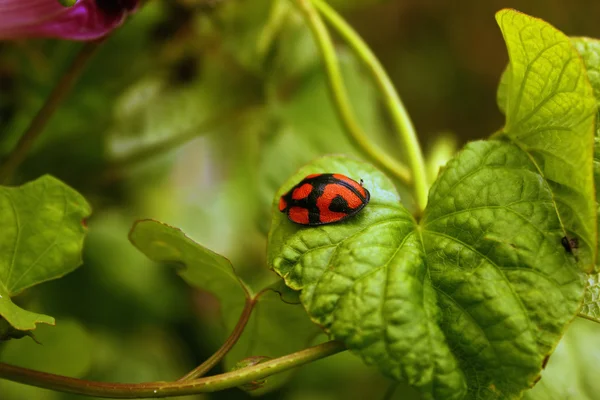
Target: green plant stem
392,100
169,389
39,122
340,96
207,365
585,316
277,16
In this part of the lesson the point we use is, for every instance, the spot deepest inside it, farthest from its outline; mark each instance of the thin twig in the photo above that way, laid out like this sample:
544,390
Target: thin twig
169,389
39,122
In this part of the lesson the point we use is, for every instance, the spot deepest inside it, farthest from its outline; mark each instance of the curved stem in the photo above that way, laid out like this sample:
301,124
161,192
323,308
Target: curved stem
392,101
340,96
169,389
39,122
207,365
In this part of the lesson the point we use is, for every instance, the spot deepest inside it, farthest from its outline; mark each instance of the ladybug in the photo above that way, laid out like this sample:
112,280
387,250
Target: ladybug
321,199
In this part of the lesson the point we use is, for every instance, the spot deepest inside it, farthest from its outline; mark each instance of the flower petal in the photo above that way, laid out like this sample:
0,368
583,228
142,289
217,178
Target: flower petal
85,20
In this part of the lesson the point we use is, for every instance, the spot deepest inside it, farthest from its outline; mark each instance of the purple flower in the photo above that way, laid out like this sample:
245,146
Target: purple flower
85,20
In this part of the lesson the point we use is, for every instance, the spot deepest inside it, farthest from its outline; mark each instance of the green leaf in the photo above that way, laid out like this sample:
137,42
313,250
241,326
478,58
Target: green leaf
41,239
550,111
465,303
197,265
502,93
589,49
590,53
591,301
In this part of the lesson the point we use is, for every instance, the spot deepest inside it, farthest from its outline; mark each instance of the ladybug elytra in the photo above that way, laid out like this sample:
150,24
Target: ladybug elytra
321,199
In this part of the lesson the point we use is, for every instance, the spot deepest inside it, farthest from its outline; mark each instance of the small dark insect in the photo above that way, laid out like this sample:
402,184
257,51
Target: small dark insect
569,243
321,199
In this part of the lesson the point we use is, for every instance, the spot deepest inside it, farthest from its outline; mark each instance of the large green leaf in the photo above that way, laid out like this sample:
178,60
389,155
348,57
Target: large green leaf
550,110
466,302
41,239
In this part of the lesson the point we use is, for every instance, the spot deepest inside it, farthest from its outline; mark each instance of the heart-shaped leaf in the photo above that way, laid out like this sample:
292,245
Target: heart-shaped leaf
550,111
41,239
469,300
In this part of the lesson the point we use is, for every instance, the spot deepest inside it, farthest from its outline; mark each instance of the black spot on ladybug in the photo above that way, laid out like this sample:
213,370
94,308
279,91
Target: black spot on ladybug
338,204
569,243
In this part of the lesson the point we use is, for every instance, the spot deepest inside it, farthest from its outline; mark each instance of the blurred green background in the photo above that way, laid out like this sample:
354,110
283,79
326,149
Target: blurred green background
193,114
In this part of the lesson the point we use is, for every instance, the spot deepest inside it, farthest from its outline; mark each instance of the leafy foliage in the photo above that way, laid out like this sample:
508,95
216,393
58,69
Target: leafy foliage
464,301
41,239
469,300
480,281
550,111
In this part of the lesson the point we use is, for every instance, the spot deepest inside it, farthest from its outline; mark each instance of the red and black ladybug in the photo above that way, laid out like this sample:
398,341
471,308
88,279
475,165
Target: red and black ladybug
321,199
